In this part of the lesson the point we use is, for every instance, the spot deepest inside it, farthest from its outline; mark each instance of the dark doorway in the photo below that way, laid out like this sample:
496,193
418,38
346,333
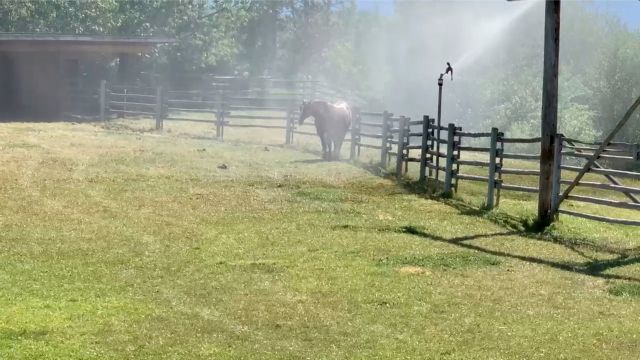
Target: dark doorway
8,105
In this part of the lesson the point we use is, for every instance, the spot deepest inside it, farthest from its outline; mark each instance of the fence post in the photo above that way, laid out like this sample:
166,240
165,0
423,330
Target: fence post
287,136
159,124
448,176
431,145
384,150
457,152
499,169
557,173
407,137
355,133
103,99
423,148
491,183
400,148
124,105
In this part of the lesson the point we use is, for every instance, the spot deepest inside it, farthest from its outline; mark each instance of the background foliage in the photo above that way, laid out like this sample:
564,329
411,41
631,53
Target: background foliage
385,57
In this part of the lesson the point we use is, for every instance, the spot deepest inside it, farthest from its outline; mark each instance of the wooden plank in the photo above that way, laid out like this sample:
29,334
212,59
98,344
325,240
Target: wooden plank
257,108
191,101
611,178
256,117
433,166
474,163
474,149
370,146
471,177
521,156
599,143
474,134
586,148
518,188
133,95
141,113
373,136
364,123
521,140
511,171
131,103
309,133
597,153
627,189
203,111
607,202
601,156
189,120
600,218
260,126
627,174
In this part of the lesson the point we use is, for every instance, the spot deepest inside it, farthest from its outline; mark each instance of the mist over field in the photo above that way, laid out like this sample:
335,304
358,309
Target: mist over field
388,58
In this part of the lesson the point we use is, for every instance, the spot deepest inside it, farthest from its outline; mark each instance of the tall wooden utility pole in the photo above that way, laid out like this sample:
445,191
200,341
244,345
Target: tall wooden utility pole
549,109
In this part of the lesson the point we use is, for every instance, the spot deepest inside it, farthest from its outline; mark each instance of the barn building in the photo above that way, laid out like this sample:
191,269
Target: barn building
40,74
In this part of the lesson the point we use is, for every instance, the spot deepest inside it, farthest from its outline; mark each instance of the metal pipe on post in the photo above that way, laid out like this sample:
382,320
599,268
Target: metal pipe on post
103,99
448,176
440,82
400,149
491,183
549,110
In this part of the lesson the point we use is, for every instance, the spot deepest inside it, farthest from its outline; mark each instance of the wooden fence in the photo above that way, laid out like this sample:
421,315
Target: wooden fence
568,151
443,153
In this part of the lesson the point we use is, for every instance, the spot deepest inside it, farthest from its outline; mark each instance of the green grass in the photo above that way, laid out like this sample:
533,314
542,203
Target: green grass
118,242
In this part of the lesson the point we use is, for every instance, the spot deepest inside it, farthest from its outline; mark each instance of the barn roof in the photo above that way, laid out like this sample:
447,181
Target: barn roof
79,43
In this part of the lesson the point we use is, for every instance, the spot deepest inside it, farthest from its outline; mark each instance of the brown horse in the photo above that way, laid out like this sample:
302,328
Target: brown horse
332,123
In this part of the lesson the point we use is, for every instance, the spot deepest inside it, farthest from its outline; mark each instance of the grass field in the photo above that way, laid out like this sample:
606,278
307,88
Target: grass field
123,243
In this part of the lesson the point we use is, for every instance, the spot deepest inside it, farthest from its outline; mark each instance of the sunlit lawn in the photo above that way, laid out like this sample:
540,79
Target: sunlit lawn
118,242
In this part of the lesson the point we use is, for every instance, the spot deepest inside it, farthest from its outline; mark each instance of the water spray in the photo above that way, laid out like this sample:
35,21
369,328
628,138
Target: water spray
448,70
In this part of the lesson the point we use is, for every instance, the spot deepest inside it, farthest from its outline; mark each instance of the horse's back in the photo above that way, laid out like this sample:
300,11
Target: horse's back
343,110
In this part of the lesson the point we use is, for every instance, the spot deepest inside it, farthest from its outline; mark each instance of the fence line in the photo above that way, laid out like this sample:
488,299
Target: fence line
392,136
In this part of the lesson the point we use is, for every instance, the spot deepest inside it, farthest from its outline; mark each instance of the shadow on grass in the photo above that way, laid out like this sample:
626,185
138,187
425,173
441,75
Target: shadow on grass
594,268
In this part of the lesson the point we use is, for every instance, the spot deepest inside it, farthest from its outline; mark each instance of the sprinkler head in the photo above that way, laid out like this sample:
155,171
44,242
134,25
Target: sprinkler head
449,70
440,80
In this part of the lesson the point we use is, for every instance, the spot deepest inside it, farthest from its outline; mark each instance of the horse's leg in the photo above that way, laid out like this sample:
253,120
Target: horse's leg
329,149
338,147
323,142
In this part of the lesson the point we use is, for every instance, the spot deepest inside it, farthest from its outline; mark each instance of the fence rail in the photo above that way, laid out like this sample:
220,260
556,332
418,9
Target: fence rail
457,154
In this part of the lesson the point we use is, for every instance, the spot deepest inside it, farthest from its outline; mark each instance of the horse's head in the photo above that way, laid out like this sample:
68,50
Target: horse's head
304,112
